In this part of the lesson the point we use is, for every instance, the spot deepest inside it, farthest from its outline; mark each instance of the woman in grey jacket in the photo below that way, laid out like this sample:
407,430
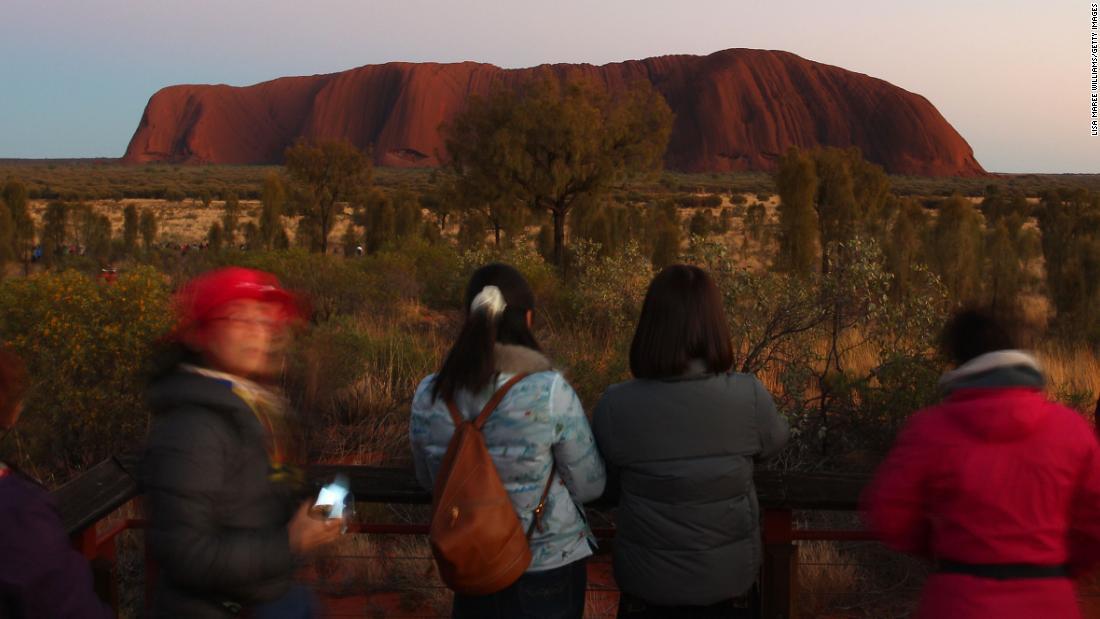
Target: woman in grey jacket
679,443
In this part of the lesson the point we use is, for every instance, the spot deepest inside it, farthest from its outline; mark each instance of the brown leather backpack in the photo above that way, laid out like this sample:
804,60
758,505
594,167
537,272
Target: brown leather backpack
476,536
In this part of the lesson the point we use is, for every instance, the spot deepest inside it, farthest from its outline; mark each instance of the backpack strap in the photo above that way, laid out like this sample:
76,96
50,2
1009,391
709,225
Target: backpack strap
490,406
536,520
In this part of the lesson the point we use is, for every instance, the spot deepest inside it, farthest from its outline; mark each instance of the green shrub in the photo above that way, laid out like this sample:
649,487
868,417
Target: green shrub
86,343
606,294
332,285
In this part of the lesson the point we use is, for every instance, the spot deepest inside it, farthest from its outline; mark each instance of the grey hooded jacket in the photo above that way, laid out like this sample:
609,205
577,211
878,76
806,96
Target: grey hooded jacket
217,522
681,455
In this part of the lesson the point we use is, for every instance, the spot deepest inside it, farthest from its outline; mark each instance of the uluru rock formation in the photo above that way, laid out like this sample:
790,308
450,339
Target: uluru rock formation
737,109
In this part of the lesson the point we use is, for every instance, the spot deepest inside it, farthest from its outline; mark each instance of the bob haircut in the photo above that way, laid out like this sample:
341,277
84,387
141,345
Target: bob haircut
682,320
471,362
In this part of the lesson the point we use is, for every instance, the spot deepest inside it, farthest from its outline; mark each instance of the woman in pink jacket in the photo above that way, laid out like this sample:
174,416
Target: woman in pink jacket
998,485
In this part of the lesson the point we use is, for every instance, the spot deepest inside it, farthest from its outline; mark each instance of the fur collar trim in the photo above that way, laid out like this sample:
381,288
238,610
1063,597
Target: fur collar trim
990,361
512,359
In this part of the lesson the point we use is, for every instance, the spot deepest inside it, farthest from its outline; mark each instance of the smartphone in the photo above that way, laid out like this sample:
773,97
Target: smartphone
332,499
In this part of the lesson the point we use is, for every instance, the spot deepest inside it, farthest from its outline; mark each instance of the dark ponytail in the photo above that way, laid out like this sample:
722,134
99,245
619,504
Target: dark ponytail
471,362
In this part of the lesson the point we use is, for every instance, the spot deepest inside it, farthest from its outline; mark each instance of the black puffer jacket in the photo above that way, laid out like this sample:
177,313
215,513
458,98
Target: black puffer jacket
217,521
680,452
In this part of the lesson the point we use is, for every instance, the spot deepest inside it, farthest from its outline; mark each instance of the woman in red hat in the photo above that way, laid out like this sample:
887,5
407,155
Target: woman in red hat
225,521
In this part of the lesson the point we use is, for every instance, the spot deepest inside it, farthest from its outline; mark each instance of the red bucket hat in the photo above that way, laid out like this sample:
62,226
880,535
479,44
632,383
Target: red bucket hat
201,297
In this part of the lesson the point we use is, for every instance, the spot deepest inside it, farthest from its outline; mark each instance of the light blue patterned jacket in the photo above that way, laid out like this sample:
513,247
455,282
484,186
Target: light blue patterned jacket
539,424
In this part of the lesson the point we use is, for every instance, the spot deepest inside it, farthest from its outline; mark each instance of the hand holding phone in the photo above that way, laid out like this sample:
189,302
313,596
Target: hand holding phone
332,499
307,533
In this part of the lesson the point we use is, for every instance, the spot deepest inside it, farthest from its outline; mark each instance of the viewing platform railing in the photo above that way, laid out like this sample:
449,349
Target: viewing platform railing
87,501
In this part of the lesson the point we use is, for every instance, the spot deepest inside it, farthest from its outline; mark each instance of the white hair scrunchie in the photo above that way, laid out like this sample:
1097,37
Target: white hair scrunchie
491,300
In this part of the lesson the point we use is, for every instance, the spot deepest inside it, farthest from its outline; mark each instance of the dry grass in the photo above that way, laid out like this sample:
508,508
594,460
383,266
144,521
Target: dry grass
1073,375
825,578
840,580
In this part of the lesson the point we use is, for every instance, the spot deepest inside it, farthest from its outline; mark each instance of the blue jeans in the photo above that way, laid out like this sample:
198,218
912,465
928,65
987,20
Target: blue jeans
298,603
553,594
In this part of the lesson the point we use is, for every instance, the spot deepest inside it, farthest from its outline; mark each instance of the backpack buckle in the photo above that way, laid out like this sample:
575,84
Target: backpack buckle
538,516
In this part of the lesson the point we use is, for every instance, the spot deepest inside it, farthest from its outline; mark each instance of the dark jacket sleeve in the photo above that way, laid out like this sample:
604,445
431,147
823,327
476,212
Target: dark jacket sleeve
186,462
49,578
773,428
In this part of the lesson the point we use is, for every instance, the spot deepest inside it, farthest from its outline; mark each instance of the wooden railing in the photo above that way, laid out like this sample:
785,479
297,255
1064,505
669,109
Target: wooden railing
104,488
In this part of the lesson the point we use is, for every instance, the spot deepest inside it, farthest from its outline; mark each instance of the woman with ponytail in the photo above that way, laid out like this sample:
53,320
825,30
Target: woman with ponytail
539,429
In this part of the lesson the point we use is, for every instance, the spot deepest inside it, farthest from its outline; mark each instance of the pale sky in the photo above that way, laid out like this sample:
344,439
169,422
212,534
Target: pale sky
1011,76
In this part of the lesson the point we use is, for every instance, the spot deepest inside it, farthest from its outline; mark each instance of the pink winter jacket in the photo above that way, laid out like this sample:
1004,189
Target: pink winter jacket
993,475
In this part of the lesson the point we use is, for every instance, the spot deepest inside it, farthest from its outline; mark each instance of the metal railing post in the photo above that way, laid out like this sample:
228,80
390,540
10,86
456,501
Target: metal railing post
779,576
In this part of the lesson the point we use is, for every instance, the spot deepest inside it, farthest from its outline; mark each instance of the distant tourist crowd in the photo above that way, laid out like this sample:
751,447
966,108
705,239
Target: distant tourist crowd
997,485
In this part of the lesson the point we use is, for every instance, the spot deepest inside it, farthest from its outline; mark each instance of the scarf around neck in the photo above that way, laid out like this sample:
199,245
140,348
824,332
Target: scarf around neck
269,407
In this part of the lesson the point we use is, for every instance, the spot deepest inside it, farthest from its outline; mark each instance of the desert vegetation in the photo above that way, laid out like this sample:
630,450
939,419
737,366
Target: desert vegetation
836,277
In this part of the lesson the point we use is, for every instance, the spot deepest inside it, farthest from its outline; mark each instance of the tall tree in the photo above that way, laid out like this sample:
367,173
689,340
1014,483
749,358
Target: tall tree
663,233
442,198
93,232
55,229
666,241
956,249
609,224
379,218
215,237
595,225
796,182
7,237
15,196
130,229
1070,225
328,174
273,203
504,217
231,216
550,145
873,198
148,227
502,211
903,250
407,215
837,209
1004,273
998,204
849,196
251,234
